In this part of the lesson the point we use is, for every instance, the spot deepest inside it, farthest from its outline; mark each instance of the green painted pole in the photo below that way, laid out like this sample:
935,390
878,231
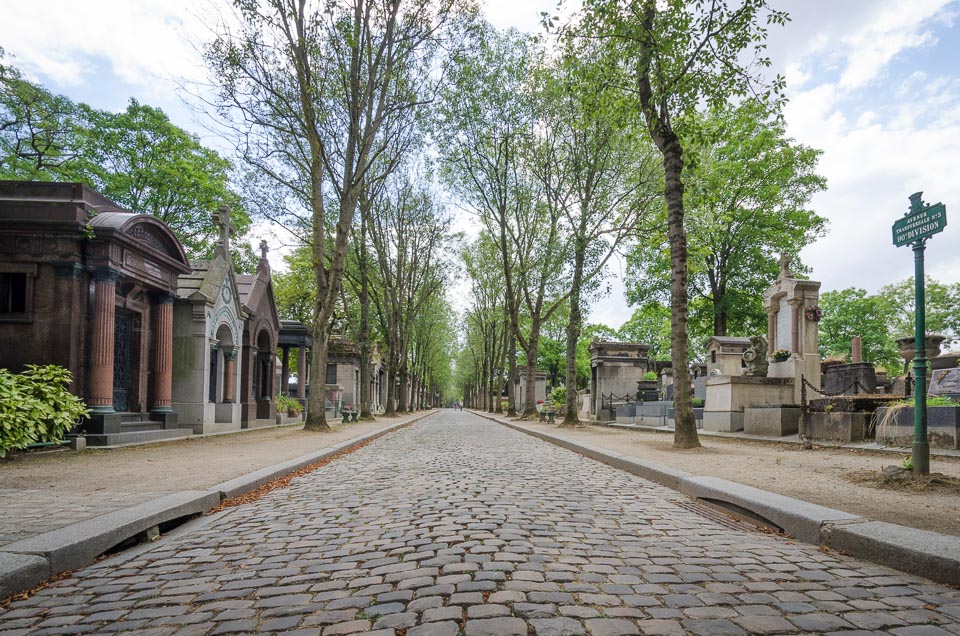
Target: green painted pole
921,448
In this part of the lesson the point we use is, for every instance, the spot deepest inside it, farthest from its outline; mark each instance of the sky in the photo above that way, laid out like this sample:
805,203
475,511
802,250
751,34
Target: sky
874,84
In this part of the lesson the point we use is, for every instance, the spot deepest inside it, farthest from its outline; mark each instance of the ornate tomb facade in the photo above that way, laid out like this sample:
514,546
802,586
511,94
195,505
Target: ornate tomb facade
90,286
261,330
208,333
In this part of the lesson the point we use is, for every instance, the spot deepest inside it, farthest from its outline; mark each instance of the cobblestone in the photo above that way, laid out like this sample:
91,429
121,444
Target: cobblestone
459,526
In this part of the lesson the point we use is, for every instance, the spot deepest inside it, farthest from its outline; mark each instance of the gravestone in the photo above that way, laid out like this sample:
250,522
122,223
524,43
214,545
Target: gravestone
945,383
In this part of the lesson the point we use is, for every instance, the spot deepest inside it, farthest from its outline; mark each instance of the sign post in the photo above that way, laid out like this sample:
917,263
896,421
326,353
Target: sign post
919,224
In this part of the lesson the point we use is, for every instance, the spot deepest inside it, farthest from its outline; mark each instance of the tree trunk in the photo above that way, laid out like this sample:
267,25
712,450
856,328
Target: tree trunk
571,418
530,408
513,371
685,425
391,406
365,413
316,416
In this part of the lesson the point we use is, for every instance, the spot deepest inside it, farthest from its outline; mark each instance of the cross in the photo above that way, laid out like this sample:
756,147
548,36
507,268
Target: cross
222,219
785,260
263,249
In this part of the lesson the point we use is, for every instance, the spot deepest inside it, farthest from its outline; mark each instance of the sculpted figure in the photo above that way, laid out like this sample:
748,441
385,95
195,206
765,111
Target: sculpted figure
756,357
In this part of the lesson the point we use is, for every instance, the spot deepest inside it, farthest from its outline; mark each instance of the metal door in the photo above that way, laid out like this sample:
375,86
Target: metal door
122,373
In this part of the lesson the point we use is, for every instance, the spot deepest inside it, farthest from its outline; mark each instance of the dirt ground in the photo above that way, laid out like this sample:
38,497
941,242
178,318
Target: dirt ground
825,476
191,464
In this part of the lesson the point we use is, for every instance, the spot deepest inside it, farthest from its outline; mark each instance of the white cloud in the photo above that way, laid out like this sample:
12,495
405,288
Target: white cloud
143,42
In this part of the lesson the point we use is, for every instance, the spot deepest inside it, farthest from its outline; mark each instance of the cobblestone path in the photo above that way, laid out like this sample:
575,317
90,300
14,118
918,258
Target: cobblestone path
459,525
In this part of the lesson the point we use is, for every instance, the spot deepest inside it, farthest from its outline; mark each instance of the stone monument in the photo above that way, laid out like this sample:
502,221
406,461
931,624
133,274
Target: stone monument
725,354
792,317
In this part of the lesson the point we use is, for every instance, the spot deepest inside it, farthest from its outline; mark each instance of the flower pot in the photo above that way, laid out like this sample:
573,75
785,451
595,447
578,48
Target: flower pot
932,345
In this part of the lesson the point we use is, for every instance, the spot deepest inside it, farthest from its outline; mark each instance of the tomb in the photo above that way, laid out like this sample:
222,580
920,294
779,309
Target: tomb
539,391
792,317
295,335
90,286
725,355
616,369
261,328
343,373
208,335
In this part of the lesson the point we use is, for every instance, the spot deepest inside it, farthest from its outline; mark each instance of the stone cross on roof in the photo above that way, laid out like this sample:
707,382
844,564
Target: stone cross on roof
222,219
785,260
263,249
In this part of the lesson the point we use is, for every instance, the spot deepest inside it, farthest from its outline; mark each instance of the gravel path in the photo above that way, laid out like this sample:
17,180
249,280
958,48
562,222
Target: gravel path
458,525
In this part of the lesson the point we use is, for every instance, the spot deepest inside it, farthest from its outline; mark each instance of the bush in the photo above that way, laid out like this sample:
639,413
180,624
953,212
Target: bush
287,403
649,375
35,406
697,403
559,396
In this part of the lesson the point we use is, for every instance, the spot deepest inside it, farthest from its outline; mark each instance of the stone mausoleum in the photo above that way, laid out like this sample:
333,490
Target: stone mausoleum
89,286
261,331
208,333
616,369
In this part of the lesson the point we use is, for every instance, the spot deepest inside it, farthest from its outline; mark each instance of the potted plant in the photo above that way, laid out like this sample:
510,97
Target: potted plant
781,355
292,407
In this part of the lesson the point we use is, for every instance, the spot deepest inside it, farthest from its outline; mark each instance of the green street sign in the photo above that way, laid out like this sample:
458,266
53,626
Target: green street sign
921,222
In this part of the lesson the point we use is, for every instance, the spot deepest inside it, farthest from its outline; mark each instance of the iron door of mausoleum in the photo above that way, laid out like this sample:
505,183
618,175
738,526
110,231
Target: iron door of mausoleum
122,337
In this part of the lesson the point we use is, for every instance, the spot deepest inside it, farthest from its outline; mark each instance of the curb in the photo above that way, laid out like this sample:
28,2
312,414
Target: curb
927,554
27,563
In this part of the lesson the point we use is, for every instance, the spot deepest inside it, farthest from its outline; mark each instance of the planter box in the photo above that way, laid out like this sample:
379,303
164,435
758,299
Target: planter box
943,427
771,421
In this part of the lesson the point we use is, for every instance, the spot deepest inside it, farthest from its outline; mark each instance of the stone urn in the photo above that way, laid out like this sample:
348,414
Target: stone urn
932,344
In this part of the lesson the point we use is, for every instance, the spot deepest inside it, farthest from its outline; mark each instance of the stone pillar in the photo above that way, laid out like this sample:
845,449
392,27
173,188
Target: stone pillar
302,373
856,348
285,372
795,327
229,371
163,354
772,330
100,389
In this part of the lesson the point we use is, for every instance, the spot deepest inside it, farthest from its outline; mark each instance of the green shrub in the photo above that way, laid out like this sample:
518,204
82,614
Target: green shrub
287,403
35,406
697,403
649,375
559,396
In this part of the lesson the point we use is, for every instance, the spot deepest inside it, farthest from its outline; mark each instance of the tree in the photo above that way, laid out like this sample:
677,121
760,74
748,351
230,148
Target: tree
485,125
38,129
746,190
408,232
649,324
306,89
137,158
597,166
670,57
942,307
853,312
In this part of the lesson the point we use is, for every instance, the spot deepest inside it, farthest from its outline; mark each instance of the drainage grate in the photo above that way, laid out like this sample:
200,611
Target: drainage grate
724,517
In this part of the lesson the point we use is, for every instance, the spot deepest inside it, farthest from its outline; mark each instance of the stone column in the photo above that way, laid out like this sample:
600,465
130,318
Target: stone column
302,373
856,348
163,354
285,372
100,387
795,326
229,371
771,331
